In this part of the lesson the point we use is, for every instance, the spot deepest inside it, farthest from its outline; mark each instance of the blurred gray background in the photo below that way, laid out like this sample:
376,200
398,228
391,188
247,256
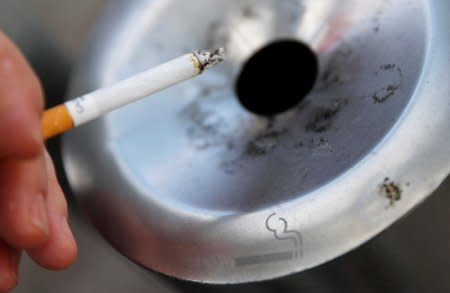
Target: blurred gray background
411,256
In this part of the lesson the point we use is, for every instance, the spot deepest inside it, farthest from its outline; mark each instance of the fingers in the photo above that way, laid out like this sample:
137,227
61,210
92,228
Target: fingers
33,210
21,103
23,220
9,267
23,210
34,213
60,250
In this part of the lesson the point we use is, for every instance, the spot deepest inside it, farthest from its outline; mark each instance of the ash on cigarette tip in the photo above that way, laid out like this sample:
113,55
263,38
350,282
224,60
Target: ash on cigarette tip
210,58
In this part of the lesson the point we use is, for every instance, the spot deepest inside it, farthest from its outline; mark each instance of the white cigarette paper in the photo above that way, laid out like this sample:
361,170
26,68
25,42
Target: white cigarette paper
94,104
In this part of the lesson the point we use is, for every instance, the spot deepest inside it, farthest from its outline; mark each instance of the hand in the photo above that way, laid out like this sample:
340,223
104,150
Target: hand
33,210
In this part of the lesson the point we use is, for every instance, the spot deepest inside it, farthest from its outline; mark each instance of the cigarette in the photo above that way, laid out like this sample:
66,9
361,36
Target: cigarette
83,109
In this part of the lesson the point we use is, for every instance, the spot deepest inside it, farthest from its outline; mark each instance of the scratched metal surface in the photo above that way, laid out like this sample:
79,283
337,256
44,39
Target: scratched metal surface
411,256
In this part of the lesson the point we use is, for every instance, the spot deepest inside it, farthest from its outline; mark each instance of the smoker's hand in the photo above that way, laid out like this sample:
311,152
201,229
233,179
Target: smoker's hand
33,210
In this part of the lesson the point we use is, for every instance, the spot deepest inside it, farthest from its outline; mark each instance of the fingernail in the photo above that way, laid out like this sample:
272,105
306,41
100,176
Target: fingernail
39,214
70,246
37,135
65,229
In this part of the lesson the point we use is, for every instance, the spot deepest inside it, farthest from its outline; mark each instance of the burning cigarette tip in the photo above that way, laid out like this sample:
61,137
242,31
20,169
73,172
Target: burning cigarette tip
209,58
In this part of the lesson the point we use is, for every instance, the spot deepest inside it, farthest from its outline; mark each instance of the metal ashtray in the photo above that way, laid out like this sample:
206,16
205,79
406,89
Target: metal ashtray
190,184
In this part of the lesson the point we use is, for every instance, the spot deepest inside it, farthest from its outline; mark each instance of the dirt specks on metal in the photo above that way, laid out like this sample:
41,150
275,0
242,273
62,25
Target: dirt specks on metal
391,191
322,119
385,93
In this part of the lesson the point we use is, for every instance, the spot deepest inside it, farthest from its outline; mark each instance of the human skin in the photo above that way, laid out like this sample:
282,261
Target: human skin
33,209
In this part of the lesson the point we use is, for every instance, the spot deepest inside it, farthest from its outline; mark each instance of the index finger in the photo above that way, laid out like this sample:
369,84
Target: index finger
21,103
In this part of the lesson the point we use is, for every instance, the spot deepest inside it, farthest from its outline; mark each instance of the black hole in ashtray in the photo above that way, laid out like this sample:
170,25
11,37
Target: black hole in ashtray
277,77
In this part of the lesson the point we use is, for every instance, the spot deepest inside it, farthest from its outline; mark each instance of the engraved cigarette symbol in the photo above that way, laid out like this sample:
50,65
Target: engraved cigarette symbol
280,228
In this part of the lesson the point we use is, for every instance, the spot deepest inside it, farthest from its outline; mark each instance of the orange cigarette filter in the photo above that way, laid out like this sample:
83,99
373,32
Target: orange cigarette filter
55,121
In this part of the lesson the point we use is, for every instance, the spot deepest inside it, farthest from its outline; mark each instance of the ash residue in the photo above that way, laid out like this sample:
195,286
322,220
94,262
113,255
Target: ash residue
264,143
391,191
376,21
387,67
323,118
331,75
320,147
207,128
384,94
261,144
321,142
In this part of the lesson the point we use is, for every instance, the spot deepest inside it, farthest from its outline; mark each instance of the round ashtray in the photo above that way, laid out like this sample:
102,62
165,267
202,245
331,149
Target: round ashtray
191,184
